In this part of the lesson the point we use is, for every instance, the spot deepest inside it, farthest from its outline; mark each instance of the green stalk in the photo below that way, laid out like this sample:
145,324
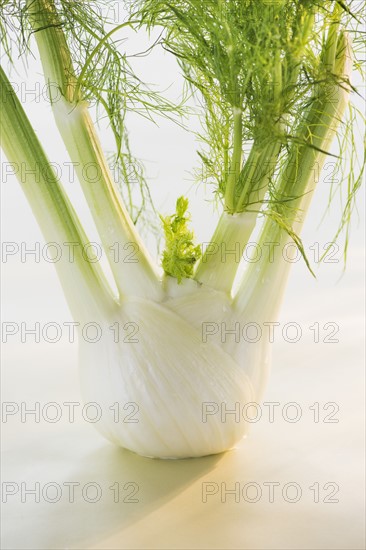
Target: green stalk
235,167
250,168
112,220
223,254
277,82
295,190
261,163
220,262
83,283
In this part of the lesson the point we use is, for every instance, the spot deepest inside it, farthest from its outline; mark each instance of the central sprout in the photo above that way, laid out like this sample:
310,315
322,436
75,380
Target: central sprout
180,254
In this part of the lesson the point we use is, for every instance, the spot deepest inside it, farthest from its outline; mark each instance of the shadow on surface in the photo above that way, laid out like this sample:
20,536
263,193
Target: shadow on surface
81,523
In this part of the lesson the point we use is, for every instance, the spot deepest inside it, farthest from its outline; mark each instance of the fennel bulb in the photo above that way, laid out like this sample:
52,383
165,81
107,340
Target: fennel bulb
170,376
188,383
273,77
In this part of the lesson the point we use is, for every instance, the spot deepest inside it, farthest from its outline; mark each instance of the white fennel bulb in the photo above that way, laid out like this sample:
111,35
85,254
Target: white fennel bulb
178,384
